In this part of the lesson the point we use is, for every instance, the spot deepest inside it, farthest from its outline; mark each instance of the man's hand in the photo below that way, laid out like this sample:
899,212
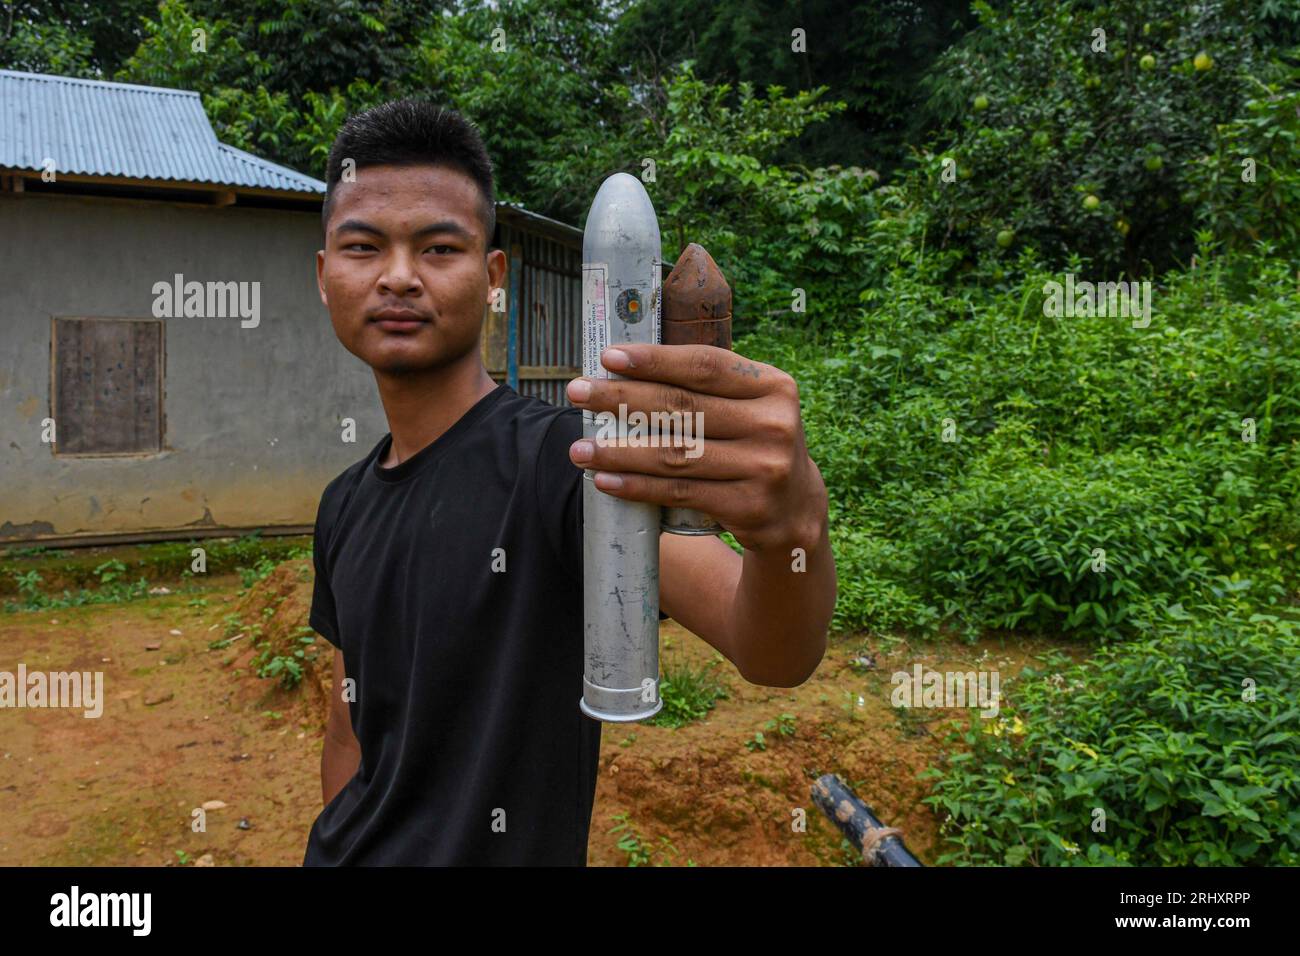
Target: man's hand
752,472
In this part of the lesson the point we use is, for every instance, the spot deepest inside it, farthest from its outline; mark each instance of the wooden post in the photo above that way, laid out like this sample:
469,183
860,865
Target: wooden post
512,329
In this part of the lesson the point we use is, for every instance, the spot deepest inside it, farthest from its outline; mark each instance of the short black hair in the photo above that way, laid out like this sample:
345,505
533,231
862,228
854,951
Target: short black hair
411,132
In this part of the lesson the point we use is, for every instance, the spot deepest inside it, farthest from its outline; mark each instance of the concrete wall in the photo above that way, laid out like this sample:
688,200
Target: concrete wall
252,415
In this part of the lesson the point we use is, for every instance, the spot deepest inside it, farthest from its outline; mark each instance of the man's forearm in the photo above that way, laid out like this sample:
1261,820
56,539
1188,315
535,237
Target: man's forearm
782,609
338,764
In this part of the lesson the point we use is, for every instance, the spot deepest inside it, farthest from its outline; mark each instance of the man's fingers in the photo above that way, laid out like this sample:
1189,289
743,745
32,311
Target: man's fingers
698,368
706,496
719,460
665,406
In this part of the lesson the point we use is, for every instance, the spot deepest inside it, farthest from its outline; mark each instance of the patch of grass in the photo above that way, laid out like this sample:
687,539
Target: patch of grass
258,572
286,668
110,571
38,551
165,561
689,693
111,591
639,853
782,726
850,703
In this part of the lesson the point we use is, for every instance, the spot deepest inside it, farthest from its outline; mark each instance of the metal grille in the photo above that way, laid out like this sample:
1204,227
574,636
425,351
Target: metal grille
549,328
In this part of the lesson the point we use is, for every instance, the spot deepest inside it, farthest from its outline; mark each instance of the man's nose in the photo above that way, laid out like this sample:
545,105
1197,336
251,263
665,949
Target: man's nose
399,275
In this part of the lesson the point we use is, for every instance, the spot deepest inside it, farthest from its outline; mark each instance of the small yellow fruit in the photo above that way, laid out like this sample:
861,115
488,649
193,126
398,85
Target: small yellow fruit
1147,62
1202,62
1091,202
1153,163
1006,237
1123,227
981,102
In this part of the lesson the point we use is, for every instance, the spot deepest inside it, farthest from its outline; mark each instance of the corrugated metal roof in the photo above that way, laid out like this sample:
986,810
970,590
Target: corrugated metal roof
97,128
513,212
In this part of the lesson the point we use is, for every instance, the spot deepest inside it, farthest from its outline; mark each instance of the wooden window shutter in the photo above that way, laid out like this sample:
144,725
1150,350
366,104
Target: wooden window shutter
107,386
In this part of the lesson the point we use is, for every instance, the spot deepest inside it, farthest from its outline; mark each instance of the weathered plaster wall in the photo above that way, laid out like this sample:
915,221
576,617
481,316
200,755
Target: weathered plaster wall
252,414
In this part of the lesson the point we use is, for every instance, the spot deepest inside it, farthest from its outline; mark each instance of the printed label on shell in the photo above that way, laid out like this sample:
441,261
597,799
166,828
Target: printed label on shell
595,318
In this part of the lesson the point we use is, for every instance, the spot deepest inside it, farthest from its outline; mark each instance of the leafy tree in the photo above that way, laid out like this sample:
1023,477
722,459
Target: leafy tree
529,73
82,38
1247,191
1053,112
318,45
872,55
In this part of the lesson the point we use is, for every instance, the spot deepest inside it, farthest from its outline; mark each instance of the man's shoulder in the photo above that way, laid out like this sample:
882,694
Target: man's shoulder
341,486
533,412
540,425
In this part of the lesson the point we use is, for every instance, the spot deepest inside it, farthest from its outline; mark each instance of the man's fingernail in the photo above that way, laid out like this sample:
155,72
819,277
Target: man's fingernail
616,359
579,390
607,482
583,450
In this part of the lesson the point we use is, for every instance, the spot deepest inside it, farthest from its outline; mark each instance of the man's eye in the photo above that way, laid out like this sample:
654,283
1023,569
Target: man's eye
449,248
357,245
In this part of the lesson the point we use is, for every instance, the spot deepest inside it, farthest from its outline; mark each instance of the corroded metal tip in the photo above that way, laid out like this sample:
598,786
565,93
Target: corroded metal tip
696,310
696,301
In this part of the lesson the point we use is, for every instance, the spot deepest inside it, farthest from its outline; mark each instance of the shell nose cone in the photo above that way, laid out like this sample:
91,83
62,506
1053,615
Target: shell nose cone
696,288
621,219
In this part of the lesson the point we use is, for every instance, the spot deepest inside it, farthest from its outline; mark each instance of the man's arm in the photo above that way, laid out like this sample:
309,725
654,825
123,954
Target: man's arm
764,616
341,754
768,611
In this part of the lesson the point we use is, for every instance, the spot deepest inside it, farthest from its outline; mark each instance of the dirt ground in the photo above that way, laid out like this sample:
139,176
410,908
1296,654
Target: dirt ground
184,726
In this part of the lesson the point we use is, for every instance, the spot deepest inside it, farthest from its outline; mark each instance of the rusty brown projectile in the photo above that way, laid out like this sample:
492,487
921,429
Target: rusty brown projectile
696,302
696,311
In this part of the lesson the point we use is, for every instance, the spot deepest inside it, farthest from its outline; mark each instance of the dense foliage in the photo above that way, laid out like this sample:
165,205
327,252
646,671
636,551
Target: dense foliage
1115,101
1179,750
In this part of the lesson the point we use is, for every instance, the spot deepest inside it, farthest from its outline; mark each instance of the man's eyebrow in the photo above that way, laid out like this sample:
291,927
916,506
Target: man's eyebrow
445,227
357,225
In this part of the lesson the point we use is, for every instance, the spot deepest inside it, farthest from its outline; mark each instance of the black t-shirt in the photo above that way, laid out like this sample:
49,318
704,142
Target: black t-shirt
452,582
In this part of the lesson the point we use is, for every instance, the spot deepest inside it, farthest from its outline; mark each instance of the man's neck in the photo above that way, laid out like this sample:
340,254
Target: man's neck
420,408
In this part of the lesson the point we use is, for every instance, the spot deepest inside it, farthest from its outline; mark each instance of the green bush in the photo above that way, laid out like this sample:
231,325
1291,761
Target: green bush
1063,548
1159,735
1067,430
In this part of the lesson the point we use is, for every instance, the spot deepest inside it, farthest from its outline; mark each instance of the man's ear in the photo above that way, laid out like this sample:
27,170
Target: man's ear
320,277
496,267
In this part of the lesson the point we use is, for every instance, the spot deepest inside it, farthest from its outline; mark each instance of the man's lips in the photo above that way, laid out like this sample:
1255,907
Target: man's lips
398,320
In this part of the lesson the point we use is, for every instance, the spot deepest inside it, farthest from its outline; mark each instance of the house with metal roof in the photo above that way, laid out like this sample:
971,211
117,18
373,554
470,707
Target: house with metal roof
106,134
168,369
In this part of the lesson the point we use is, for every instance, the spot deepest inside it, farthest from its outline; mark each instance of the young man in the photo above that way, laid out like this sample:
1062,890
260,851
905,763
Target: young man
449,560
